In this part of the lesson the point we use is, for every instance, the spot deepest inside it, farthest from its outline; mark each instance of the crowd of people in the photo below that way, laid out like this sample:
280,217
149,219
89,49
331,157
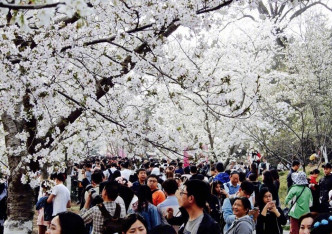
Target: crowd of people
118,195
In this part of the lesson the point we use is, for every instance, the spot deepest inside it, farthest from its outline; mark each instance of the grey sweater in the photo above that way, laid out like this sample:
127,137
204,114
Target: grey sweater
243,225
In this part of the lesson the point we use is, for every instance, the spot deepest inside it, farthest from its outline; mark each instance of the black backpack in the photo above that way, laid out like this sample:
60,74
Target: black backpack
111,224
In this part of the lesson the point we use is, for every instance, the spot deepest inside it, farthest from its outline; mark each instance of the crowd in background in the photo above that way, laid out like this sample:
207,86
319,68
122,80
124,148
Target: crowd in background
120,195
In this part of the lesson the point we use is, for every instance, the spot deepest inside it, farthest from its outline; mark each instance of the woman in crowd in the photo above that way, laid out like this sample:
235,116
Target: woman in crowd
134,223
271,217
306,223
217,190
145,208
243,223
67,223
268,183
299,199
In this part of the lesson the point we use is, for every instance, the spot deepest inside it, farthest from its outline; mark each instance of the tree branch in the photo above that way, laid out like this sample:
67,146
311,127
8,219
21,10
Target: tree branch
30,7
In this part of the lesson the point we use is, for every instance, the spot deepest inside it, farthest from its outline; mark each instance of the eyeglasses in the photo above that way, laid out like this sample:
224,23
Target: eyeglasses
181,193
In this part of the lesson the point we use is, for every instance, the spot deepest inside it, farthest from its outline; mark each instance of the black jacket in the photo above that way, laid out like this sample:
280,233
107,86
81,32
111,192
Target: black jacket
325,185
208,225
289,178
270,224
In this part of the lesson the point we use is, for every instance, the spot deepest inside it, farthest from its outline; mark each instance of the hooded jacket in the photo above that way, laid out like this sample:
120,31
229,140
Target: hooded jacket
303,202
223,177
243,225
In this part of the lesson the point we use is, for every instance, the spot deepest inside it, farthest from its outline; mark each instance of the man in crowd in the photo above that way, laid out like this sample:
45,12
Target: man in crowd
295,166
325,185
88,171
245,190
170,186
179,170
193,197
94,215
232,186
158,196
125,172
194,174
141,175
222,176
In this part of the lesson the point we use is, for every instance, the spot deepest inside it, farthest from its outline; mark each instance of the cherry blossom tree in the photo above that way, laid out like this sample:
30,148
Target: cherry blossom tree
78,72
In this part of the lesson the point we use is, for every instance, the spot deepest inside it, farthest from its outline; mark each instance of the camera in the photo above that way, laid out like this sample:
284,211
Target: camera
94,195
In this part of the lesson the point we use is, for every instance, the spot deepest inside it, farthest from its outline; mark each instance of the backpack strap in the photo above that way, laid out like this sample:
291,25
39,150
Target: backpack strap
106,214
103,211
117,211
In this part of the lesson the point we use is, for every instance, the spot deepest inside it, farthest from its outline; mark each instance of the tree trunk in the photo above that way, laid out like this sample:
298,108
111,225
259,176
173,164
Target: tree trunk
20,197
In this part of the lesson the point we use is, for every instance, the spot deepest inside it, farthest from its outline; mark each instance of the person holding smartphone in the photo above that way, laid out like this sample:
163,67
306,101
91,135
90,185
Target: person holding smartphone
271,217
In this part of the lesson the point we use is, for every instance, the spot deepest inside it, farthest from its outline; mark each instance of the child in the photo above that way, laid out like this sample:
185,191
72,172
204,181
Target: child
45,209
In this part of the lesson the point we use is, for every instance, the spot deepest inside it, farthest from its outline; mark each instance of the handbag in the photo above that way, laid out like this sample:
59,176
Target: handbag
287,210
111,224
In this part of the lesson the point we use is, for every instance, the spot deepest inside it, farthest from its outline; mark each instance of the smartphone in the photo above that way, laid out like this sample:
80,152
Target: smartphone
274,201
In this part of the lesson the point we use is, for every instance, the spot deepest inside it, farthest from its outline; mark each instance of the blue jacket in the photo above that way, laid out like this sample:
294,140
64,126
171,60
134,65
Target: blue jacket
48,208
151,216
223,177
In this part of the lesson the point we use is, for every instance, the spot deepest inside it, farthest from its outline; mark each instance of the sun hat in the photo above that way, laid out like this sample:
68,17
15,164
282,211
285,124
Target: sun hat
300,178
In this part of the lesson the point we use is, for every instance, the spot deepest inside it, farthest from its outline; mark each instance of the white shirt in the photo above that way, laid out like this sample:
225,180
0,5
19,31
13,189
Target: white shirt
126,173
120,201
62,196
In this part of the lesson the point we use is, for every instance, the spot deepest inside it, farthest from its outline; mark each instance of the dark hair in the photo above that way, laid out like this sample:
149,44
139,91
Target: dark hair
71,223
170,186
163,228
235,173
252,177
274,174
199,190
88,165
315,171
295,163
115,175
144,196
112,189
139,170
308,215
97,177
186,170
61,176
247,187
268,179
153,176
214,185
242,176
253,168
245,202
220,167
260,200
125,164
193,169
130,220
